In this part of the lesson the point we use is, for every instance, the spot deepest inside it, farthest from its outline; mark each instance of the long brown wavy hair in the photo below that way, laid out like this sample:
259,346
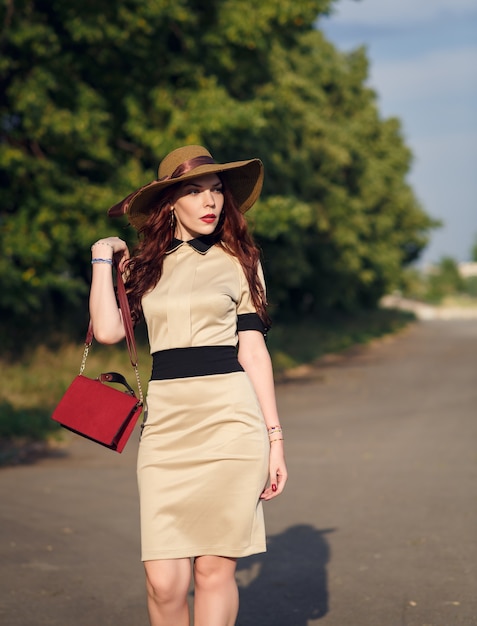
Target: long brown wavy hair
144,269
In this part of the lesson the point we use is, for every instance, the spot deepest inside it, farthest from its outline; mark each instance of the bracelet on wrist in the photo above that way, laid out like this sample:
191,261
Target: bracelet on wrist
273,429
275,433
98,260
274,440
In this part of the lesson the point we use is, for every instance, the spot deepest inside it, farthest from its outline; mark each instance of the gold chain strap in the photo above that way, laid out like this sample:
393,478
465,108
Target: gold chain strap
139,386
85,356
122,295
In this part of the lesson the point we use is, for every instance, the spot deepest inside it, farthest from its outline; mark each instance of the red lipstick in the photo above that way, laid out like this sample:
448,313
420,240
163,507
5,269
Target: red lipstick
209,218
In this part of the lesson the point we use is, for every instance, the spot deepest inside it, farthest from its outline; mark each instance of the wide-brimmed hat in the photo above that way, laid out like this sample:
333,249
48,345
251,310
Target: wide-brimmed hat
244,179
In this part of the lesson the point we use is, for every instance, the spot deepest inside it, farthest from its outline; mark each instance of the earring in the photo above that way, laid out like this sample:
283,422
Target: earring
172,219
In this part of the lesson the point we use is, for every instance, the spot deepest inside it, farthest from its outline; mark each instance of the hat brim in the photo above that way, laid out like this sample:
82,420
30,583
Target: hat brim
244,179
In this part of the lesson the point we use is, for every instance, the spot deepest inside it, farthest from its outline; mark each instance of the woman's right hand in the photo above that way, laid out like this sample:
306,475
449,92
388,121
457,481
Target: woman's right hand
112,247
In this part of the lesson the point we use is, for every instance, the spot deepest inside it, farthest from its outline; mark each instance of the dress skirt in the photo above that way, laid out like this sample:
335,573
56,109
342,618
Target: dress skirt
202,465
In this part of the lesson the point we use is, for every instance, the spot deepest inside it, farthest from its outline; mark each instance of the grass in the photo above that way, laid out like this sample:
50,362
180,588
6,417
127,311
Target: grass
295,344
37,382
460,301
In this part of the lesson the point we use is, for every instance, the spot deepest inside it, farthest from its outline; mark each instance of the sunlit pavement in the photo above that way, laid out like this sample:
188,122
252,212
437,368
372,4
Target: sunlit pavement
378,526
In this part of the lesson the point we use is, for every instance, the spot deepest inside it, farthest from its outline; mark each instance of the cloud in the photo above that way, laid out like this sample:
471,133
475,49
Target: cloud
435,74
392,12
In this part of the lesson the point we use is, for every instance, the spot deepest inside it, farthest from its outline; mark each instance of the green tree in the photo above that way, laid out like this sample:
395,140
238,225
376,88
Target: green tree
94,93
344,170
444,280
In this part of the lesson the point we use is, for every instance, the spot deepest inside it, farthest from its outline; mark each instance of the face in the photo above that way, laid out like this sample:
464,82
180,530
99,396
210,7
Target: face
197,206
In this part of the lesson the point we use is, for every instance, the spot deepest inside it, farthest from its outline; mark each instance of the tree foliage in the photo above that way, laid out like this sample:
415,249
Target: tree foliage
94,93
473,252
439,283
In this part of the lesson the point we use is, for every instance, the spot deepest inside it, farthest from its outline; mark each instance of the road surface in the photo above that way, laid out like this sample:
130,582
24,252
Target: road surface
378,526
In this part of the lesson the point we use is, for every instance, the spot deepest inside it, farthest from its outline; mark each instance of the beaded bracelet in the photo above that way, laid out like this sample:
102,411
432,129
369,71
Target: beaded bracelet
98,260
275,433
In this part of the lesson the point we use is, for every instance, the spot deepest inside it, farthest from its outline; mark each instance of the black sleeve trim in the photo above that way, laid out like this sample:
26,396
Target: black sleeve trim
251,321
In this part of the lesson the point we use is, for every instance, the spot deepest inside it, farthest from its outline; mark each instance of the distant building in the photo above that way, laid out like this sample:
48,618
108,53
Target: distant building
466,270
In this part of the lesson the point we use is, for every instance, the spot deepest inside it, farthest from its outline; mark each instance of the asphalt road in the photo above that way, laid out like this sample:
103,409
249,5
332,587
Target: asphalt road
378,526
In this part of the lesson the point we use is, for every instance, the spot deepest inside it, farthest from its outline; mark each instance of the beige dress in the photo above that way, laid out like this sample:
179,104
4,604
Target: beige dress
203,454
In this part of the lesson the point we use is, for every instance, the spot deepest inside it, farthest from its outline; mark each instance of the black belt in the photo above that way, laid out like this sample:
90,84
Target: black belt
199,361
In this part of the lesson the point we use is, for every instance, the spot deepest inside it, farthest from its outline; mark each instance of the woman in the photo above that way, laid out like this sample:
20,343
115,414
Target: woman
205,461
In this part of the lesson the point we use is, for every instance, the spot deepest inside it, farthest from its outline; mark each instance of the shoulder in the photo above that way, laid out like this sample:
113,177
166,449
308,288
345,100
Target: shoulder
220,251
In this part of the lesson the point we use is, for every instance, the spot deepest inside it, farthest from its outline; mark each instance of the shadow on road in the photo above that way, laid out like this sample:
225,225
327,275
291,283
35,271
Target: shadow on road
286,586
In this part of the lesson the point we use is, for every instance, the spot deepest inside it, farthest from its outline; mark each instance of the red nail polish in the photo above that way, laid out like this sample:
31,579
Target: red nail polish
274,487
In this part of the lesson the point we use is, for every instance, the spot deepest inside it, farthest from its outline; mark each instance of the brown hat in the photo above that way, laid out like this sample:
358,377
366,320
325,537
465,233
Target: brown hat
243,179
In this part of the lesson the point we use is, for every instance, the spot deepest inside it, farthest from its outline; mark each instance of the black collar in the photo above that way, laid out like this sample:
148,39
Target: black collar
200,244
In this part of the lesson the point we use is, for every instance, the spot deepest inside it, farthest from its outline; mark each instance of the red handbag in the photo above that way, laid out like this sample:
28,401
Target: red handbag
95,410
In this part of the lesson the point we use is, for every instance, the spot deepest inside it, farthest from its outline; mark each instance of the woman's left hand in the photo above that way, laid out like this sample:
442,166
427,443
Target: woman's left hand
278,472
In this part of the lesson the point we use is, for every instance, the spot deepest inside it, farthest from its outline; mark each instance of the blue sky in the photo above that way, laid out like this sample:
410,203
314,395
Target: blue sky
423,66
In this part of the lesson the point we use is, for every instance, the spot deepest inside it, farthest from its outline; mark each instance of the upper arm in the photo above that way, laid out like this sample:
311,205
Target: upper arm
251,346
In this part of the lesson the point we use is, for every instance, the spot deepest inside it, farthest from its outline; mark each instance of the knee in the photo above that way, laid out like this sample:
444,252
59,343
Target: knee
165,589
213,571
159,588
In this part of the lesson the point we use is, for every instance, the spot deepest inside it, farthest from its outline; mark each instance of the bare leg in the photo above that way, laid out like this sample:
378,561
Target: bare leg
167,584
216,593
